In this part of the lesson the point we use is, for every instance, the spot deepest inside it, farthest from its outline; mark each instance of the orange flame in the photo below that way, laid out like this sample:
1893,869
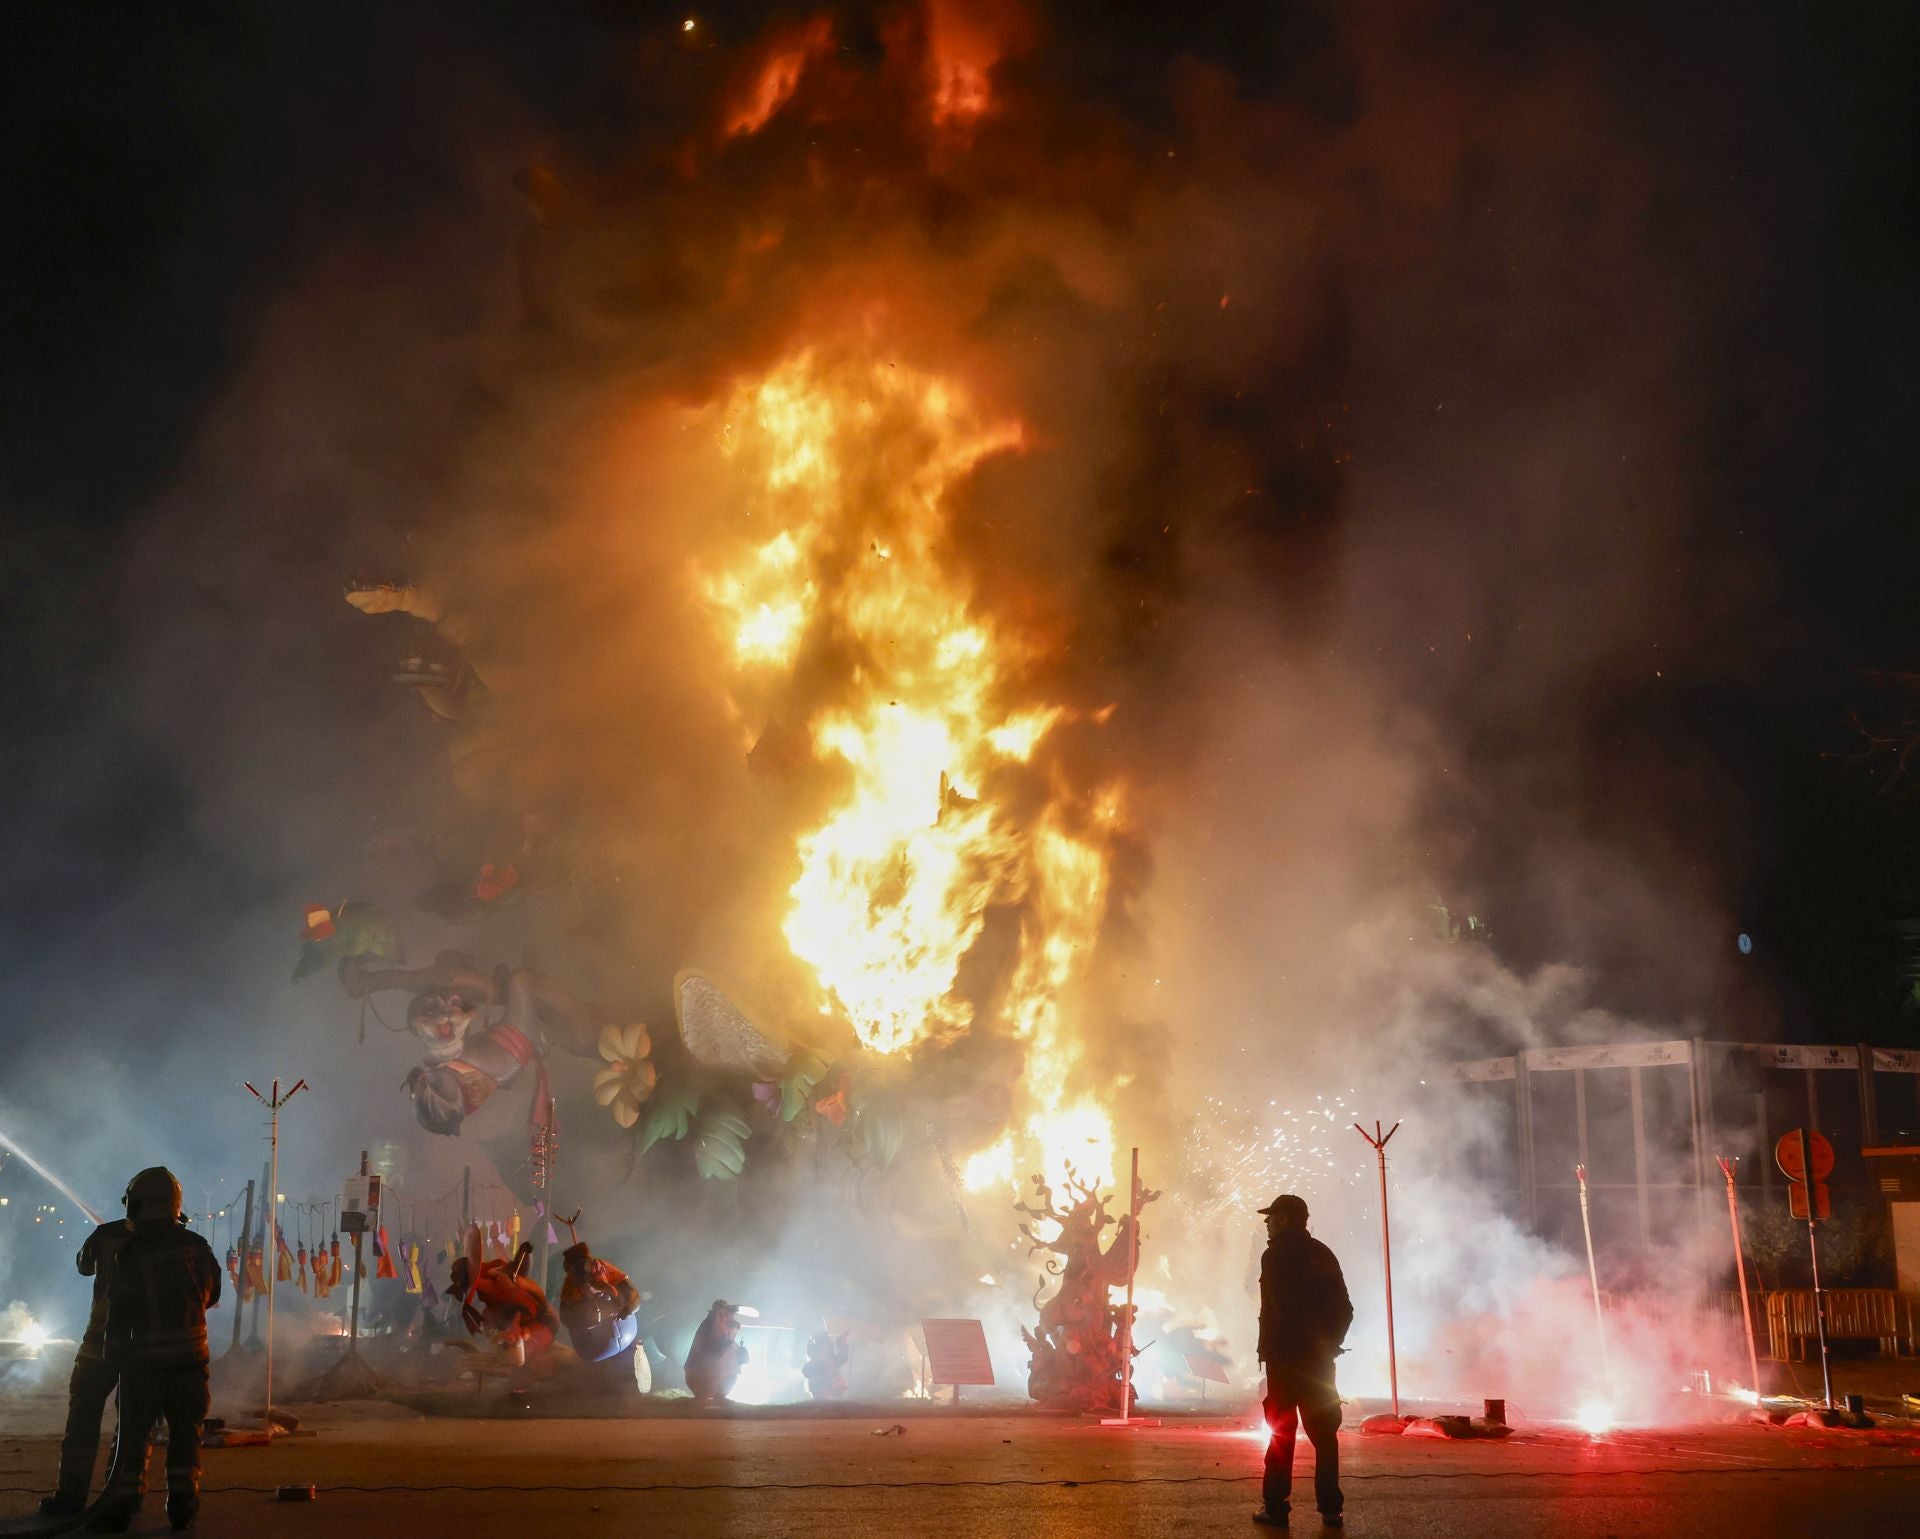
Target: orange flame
965,40
851,466
769,85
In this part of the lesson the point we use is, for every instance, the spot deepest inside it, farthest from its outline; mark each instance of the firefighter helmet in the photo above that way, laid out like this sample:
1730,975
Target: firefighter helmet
154,1193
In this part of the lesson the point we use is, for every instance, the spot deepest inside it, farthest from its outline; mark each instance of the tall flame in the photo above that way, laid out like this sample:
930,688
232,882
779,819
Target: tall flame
774,75
851,467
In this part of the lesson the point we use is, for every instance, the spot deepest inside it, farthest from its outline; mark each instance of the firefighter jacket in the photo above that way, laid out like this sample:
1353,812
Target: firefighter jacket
162,1283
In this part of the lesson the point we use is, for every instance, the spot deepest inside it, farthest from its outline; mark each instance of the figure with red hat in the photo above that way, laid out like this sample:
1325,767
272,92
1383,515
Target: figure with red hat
597,1304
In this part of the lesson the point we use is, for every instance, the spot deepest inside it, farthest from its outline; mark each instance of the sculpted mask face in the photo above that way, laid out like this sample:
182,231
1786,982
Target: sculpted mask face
442,1020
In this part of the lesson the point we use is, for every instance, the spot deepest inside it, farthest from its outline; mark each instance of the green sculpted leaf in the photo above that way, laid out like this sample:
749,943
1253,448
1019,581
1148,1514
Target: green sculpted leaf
720,1144
804,1070
669,1114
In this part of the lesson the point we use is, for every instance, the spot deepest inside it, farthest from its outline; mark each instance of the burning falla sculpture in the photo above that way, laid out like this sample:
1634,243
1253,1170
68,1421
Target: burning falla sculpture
1078,1351
940,739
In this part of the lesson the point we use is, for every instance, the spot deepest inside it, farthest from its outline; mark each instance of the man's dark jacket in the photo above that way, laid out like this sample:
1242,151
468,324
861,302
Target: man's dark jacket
1304,1308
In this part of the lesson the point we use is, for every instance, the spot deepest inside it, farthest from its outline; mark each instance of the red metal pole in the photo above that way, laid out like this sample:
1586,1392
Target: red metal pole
1379,1142
1740,1266
1386,1257
271,1227
1593,1274
1133,1265
273,1253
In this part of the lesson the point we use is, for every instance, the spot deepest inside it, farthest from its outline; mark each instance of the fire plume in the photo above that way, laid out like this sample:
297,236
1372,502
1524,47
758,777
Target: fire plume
850,467
965,40
773,77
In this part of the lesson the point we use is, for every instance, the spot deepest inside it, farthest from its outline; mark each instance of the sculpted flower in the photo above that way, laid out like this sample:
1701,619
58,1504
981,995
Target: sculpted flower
629,1077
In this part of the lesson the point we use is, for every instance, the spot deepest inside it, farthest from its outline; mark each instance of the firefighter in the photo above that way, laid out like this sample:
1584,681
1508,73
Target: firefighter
93,1377
163,1280
1304,1315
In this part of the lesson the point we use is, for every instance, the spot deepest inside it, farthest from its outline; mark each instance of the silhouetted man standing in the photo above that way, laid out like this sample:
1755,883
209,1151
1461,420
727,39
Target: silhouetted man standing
1304,1315
93,1378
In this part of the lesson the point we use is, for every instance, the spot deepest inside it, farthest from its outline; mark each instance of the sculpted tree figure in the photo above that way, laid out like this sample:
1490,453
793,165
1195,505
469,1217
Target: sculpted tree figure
1078,1361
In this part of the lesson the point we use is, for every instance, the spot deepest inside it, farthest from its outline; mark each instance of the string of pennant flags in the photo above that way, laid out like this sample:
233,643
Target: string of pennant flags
318,1268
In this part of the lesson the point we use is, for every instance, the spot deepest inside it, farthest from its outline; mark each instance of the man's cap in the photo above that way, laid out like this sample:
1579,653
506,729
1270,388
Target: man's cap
1292,1206
577,1252
719,1304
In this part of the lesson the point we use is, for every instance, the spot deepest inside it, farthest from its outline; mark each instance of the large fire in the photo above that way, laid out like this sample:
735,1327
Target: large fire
850,466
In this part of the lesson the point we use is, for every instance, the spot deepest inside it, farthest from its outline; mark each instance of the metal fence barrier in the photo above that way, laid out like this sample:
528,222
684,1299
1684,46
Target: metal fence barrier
1882,1315
1853,1314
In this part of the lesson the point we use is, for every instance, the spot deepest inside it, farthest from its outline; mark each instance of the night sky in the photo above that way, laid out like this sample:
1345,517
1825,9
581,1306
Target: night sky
173,173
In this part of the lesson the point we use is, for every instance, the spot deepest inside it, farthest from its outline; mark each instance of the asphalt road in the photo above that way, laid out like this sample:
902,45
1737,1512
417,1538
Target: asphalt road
985,1477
